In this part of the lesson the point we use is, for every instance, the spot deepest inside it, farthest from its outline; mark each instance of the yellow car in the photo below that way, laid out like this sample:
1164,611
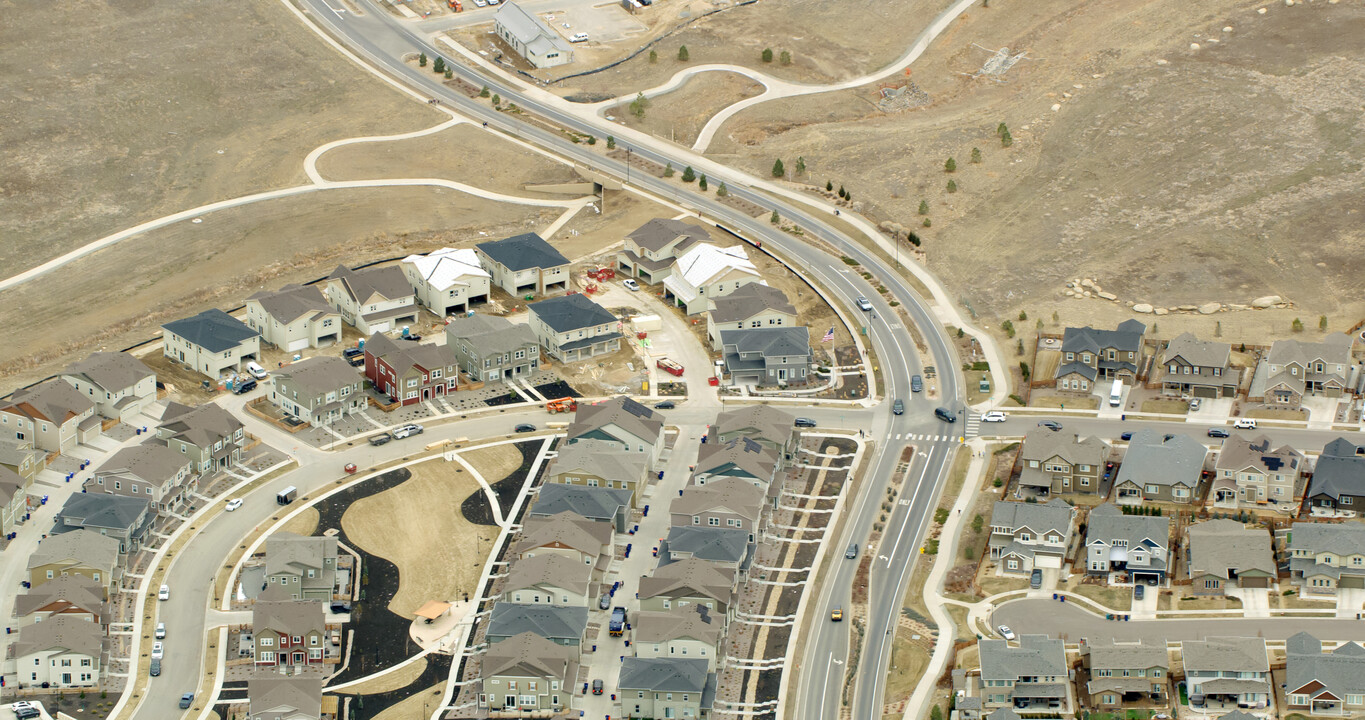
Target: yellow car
837,615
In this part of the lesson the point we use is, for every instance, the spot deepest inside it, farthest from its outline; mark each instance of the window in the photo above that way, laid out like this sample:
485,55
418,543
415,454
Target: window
266,642
714,522
267,657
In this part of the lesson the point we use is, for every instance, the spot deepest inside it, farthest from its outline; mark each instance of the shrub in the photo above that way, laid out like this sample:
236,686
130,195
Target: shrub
653,57
422,60
998,482
721,190
775,218
701,182
950,165
668,170
952,186
941,515
976,155
928,223
785,58
484,92
683,55
688,174
766,55
592,140
778,169
611,142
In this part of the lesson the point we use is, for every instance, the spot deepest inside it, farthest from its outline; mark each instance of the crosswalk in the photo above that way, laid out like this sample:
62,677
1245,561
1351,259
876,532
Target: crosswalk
923,437
973,425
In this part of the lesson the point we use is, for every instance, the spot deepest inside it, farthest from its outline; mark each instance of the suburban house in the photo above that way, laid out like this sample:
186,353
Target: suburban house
1295,369
569,536
1324,557
305,566
548,580
411,373
63,652
1091,357
1338,484
288,632
689,582
752,306
651,249
666,688
1323,683
1198,368
120,385
1222,554
560,624
125,518
79,552
1029,535
1226,672
208,434
1055,463
1136,547
622,422
210,343
319,390
1127,674
728,548
75,596
741,459
1250,471
1030,677
294,317
573,328
524,264
764,424
491,348
528,674
447,281
600,463
13,500
1160,468
767,355
726,503
151,473
374,300
52,415
707,272
21,457
594,503
530,37
683,633
271,696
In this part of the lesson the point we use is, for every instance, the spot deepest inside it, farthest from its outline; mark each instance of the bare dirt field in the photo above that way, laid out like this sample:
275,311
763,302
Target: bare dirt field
183,104
305,523
590,233
680,115
185,268
1171,175
494,463
418,526
388,682
414,707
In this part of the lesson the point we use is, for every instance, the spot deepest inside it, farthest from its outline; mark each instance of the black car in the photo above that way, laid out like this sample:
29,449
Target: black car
380,439
1218,432
665,405
349,353
1052,425
1139,591
246,386
916,383
341,608
525,427
413,338
357,361
898,407
1126,436
945,415
25,710
804,422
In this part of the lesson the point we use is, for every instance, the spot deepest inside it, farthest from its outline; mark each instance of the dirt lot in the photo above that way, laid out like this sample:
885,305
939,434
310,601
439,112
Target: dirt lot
418,526
414,707
305,523
92,147
494,463
680,115
391,681
185,268
1139,159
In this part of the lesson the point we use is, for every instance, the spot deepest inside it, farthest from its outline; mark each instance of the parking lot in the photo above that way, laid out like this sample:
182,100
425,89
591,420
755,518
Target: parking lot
606,22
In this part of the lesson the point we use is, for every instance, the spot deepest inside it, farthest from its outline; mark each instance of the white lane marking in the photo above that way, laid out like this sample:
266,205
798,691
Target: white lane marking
918,486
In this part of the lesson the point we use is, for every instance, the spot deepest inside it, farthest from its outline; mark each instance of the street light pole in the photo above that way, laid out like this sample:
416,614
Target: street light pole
628,151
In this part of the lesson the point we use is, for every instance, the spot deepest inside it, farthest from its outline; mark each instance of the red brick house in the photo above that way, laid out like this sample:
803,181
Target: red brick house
410,372
288,632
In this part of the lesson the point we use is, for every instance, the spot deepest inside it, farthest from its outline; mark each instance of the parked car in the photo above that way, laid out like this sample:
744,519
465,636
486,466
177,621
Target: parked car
186,701
631,285
256,371
863,304
1218,433
898,407
525,427
604,602
407,431
164,593
1244,424
1126,436
380,439
1052,425
804,422
1139,591
245,386
916,383
158,650
341,608
233,504
665,405
1035,579
994,416
25,710
1194,404
357,361
154,669
411,337
351,352
852,551
1005,632
597,687
836,615
945,415
578,38
160,631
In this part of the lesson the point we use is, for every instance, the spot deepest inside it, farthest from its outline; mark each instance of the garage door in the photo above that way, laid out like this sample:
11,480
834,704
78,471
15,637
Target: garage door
1205,392
1255,582
1351,583
382,327
297,345
1047,561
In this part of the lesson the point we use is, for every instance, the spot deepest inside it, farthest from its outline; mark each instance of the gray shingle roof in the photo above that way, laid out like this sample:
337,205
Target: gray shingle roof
292,302
287,552
600,458
627,414
593,503
1110,655
1344,539
71,633
749,300
84,546
728,494
1126,337
1243,454
547,621
1228,654
712,544
1225,547
1153,460
689,578
490,334
757,422
387,282
659,232
99,510
201,426
571,312
55,401
1107,523
1339,471
213,330
1335,348
1043,444
318,375
111,370
152,463
272,695
663,675
1341,671
567,529
529,654
288,617
784,341
549,570
527,250
691,621
738,457
1201,353
78,590
1055,515
1036,655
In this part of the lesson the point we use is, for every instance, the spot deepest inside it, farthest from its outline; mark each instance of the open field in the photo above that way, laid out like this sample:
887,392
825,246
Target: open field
494,463
185,268
419,527
1140,159
680,115
305,523
395,680
414,707
186,103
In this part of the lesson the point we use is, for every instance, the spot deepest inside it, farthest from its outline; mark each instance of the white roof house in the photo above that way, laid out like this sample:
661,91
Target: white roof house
707,272
447,280
531,38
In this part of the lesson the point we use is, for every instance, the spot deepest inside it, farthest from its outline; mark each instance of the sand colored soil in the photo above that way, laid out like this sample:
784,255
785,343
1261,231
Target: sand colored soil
391,680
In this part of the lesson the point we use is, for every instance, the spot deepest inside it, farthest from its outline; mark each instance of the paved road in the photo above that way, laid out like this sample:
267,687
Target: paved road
1071,623
1305,440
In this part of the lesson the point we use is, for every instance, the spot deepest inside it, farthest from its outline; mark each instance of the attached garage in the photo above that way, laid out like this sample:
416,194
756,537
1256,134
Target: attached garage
1047,561
1253,582
1351,582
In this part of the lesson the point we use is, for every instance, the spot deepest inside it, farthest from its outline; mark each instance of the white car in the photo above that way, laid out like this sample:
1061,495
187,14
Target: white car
1006,632
256,371
993,416
407,430
1245,424
158,651
233,504
863,304
160,631
579,37
631,285
481,3
165,593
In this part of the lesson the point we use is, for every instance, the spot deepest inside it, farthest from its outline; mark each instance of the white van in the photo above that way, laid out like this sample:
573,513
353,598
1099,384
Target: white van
256,371
1116,394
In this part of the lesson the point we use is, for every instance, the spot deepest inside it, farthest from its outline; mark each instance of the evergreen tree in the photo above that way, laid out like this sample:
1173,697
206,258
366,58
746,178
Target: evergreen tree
950,165
778,170
767,55
721,190
701,182
688,174
422,60
774,219
668,170
683,56
923,207
976,155
952,186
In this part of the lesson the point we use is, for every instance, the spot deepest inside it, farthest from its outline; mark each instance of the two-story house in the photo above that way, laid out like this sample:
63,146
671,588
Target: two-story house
689,582
528,674
411,373
666,688
651,249
73,596
21,457
1319,682
294,317
1249,471
1338,484
560,624
707,272
1326,557
13,500
600,463
153,473
1223,554
767,355
1226,672
573,328
447,281
764,424
1091,357
548,580
319,390
1295,369
752,306
210,343
304,566
126,518
120,385
52,415
741,459
594,503
63,652
491,348
288,632
272,696
1127,548
1031,676
684,633
524,265
1198,368
374,300
1028,535
725,503
1160,468
1126,674
728,548
1055,463
208,435
79,552
622,422
572,537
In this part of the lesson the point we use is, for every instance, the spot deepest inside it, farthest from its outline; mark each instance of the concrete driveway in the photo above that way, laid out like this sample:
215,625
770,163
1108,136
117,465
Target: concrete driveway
1146,607
1255,601
1349,602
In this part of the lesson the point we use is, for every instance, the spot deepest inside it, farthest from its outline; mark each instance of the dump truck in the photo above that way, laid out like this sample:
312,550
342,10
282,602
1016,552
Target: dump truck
562,405
617,626
670,367
455,5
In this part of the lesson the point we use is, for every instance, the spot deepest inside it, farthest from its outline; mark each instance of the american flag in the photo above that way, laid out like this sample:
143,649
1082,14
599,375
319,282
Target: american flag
829,336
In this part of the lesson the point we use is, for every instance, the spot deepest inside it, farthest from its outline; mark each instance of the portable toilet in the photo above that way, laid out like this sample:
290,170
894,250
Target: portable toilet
985,384
405,331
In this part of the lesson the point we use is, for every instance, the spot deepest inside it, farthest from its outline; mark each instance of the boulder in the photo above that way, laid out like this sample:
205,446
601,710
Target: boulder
1085,293
1267,301
1143,308
1056,107
1162,311
1186,308
1236,306
1210,308
1108,295
1088,283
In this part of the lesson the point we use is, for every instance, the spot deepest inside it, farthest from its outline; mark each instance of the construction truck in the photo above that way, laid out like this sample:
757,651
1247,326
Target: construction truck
562,405
455,5
617,625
